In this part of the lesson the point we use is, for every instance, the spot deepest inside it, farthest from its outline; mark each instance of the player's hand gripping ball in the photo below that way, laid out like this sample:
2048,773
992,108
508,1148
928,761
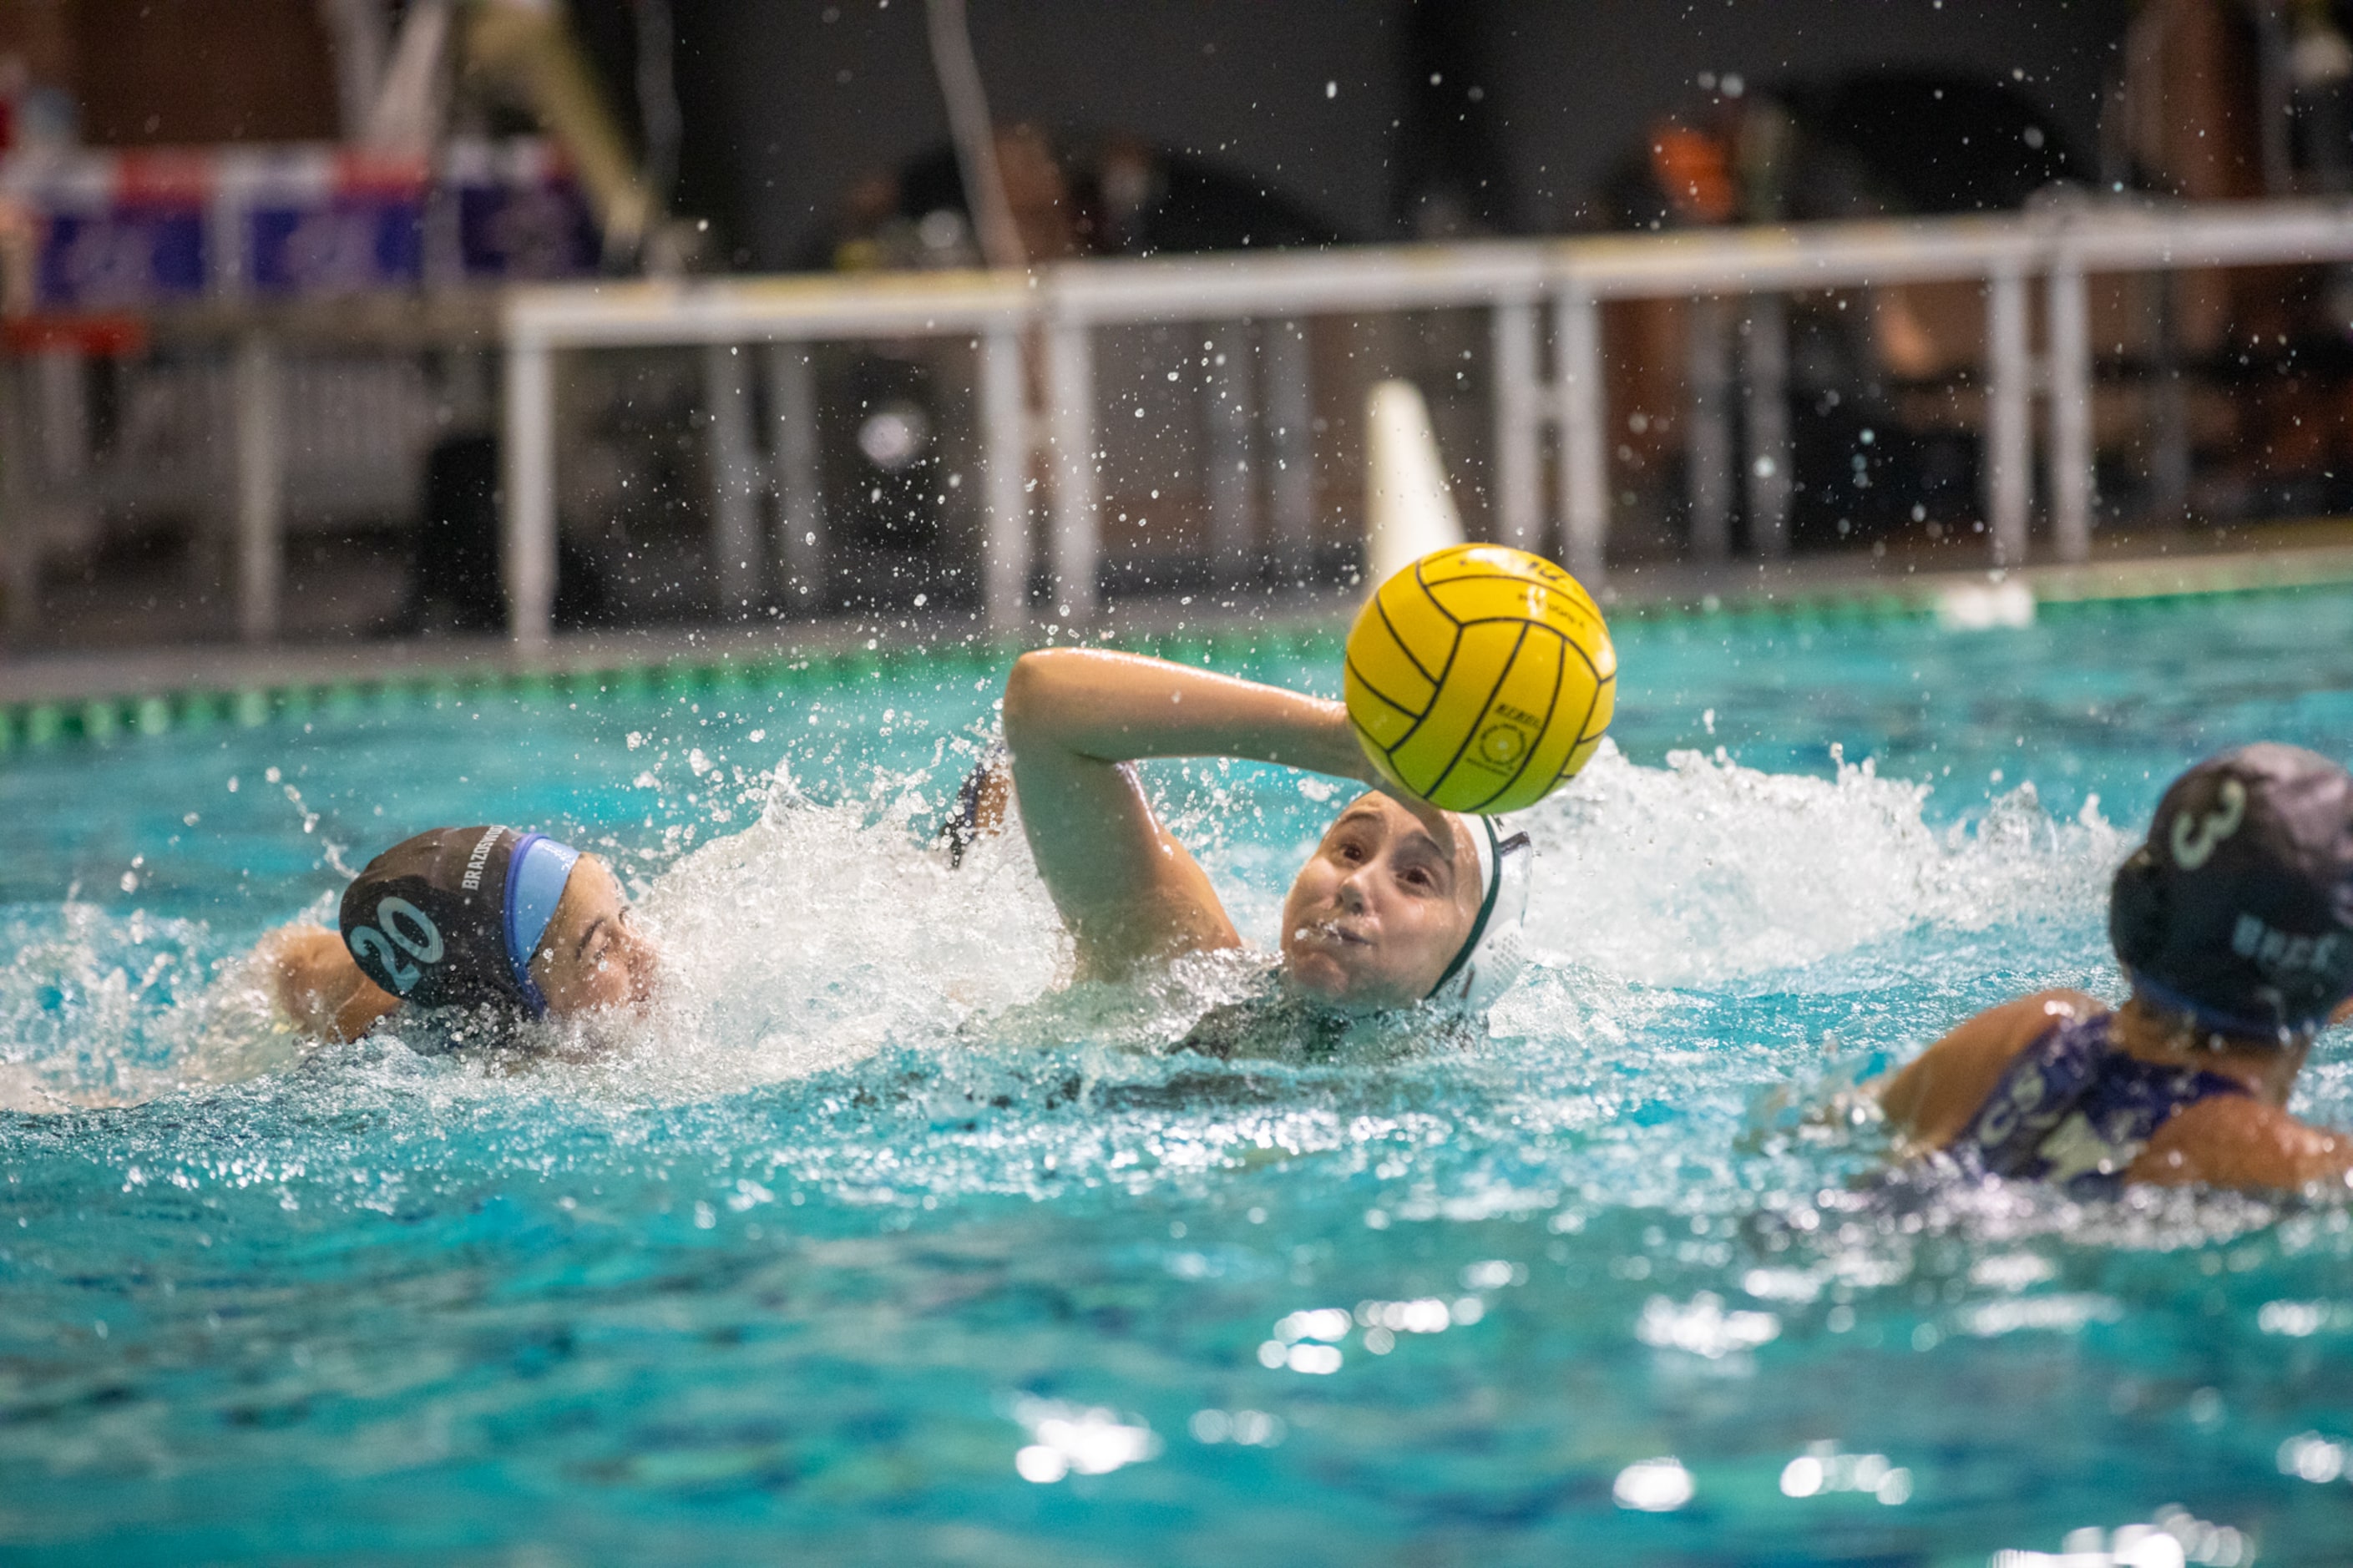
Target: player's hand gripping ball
1480,678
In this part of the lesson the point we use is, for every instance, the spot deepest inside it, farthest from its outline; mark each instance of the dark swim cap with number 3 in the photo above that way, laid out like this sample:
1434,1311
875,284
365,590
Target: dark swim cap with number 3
2239,909
452,917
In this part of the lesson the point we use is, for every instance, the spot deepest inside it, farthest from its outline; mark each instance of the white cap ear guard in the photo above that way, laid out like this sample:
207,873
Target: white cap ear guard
1496,950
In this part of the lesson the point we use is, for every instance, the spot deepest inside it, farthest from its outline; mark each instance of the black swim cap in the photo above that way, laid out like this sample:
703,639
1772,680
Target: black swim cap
451,918
2239,909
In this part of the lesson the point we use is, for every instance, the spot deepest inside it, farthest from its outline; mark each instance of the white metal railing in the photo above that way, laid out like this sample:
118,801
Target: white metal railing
247,431
1060,306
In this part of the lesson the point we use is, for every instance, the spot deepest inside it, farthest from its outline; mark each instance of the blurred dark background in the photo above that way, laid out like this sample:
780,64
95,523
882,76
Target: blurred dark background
1329,103
1374,120
614,137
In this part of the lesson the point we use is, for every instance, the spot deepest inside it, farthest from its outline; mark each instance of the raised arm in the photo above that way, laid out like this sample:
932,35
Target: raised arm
312,976
1075,720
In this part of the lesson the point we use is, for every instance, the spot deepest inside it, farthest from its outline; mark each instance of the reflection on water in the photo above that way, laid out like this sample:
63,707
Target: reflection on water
2173,1538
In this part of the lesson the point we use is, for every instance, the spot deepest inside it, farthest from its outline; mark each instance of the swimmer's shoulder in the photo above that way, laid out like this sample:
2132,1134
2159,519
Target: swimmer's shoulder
1934,1096
2237,1141
312,978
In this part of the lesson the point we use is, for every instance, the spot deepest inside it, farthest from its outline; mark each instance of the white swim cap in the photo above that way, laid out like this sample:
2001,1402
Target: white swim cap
1496,950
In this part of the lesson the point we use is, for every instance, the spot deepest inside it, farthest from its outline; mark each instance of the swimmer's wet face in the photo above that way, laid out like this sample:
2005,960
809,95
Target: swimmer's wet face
594,956
485,916
1377,917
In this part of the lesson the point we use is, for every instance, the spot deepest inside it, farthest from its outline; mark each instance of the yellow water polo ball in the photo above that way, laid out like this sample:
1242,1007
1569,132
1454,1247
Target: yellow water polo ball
1480,678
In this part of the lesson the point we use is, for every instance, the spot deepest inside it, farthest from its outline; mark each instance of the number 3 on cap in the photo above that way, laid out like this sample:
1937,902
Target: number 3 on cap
406,928
2194,846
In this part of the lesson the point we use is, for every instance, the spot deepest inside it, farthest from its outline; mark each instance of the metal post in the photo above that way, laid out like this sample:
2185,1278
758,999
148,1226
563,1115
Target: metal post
2010,459
1005,479
57,447
1075,556
64,433
1707,447
2169,463
2274,97
2070,410
1584,461
1291,411
1227,411
20,544
529,553
260,488
734,480
1767,330
800,498
1519,426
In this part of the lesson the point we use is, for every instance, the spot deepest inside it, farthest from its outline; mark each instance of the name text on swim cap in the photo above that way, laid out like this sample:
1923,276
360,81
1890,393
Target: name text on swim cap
2278,949
474,862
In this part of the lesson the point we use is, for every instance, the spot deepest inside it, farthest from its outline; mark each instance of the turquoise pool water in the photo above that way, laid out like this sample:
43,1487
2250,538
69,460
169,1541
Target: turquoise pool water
875,1245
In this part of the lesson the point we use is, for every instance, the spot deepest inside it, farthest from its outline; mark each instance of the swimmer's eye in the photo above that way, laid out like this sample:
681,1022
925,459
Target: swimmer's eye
1420,879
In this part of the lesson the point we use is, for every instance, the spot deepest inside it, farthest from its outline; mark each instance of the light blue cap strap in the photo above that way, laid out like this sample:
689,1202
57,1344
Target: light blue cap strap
536,872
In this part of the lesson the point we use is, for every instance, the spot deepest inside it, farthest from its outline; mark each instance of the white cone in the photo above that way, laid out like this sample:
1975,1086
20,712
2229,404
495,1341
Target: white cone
1408,510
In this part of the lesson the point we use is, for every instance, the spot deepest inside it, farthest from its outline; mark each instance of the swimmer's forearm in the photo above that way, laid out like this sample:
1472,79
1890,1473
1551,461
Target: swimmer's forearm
1116,708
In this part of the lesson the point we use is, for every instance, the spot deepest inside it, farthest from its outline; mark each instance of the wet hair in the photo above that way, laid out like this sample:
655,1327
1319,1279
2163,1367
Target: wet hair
2238,911
452,917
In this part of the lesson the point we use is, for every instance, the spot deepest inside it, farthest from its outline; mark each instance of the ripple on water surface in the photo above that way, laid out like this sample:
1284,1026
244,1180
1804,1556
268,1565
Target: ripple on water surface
874,1240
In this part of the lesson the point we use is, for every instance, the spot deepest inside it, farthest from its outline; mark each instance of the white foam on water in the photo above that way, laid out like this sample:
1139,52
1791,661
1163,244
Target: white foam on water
1706,873
99,1008
826,933
823,933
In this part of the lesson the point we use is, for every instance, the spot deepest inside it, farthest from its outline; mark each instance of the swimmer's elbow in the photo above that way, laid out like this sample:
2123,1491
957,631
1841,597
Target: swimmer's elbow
1025,689
1039,693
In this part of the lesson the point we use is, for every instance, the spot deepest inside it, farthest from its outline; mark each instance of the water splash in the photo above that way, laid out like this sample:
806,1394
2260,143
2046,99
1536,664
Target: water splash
828,933
1706,873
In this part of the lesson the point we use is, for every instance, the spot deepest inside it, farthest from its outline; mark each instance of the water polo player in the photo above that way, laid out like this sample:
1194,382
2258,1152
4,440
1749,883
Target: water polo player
1401,903
502,924
2234,925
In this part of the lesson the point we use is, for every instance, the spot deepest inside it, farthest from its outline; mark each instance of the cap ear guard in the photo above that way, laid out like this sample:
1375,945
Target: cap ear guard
2137,909
537,870
1496,950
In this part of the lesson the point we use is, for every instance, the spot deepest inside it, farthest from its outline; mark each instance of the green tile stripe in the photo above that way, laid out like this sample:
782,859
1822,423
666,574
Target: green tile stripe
126,720
109,720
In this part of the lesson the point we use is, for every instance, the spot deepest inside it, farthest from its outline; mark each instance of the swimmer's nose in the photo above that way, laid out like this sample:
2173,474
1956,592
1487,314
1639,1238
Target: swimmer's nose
644,961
